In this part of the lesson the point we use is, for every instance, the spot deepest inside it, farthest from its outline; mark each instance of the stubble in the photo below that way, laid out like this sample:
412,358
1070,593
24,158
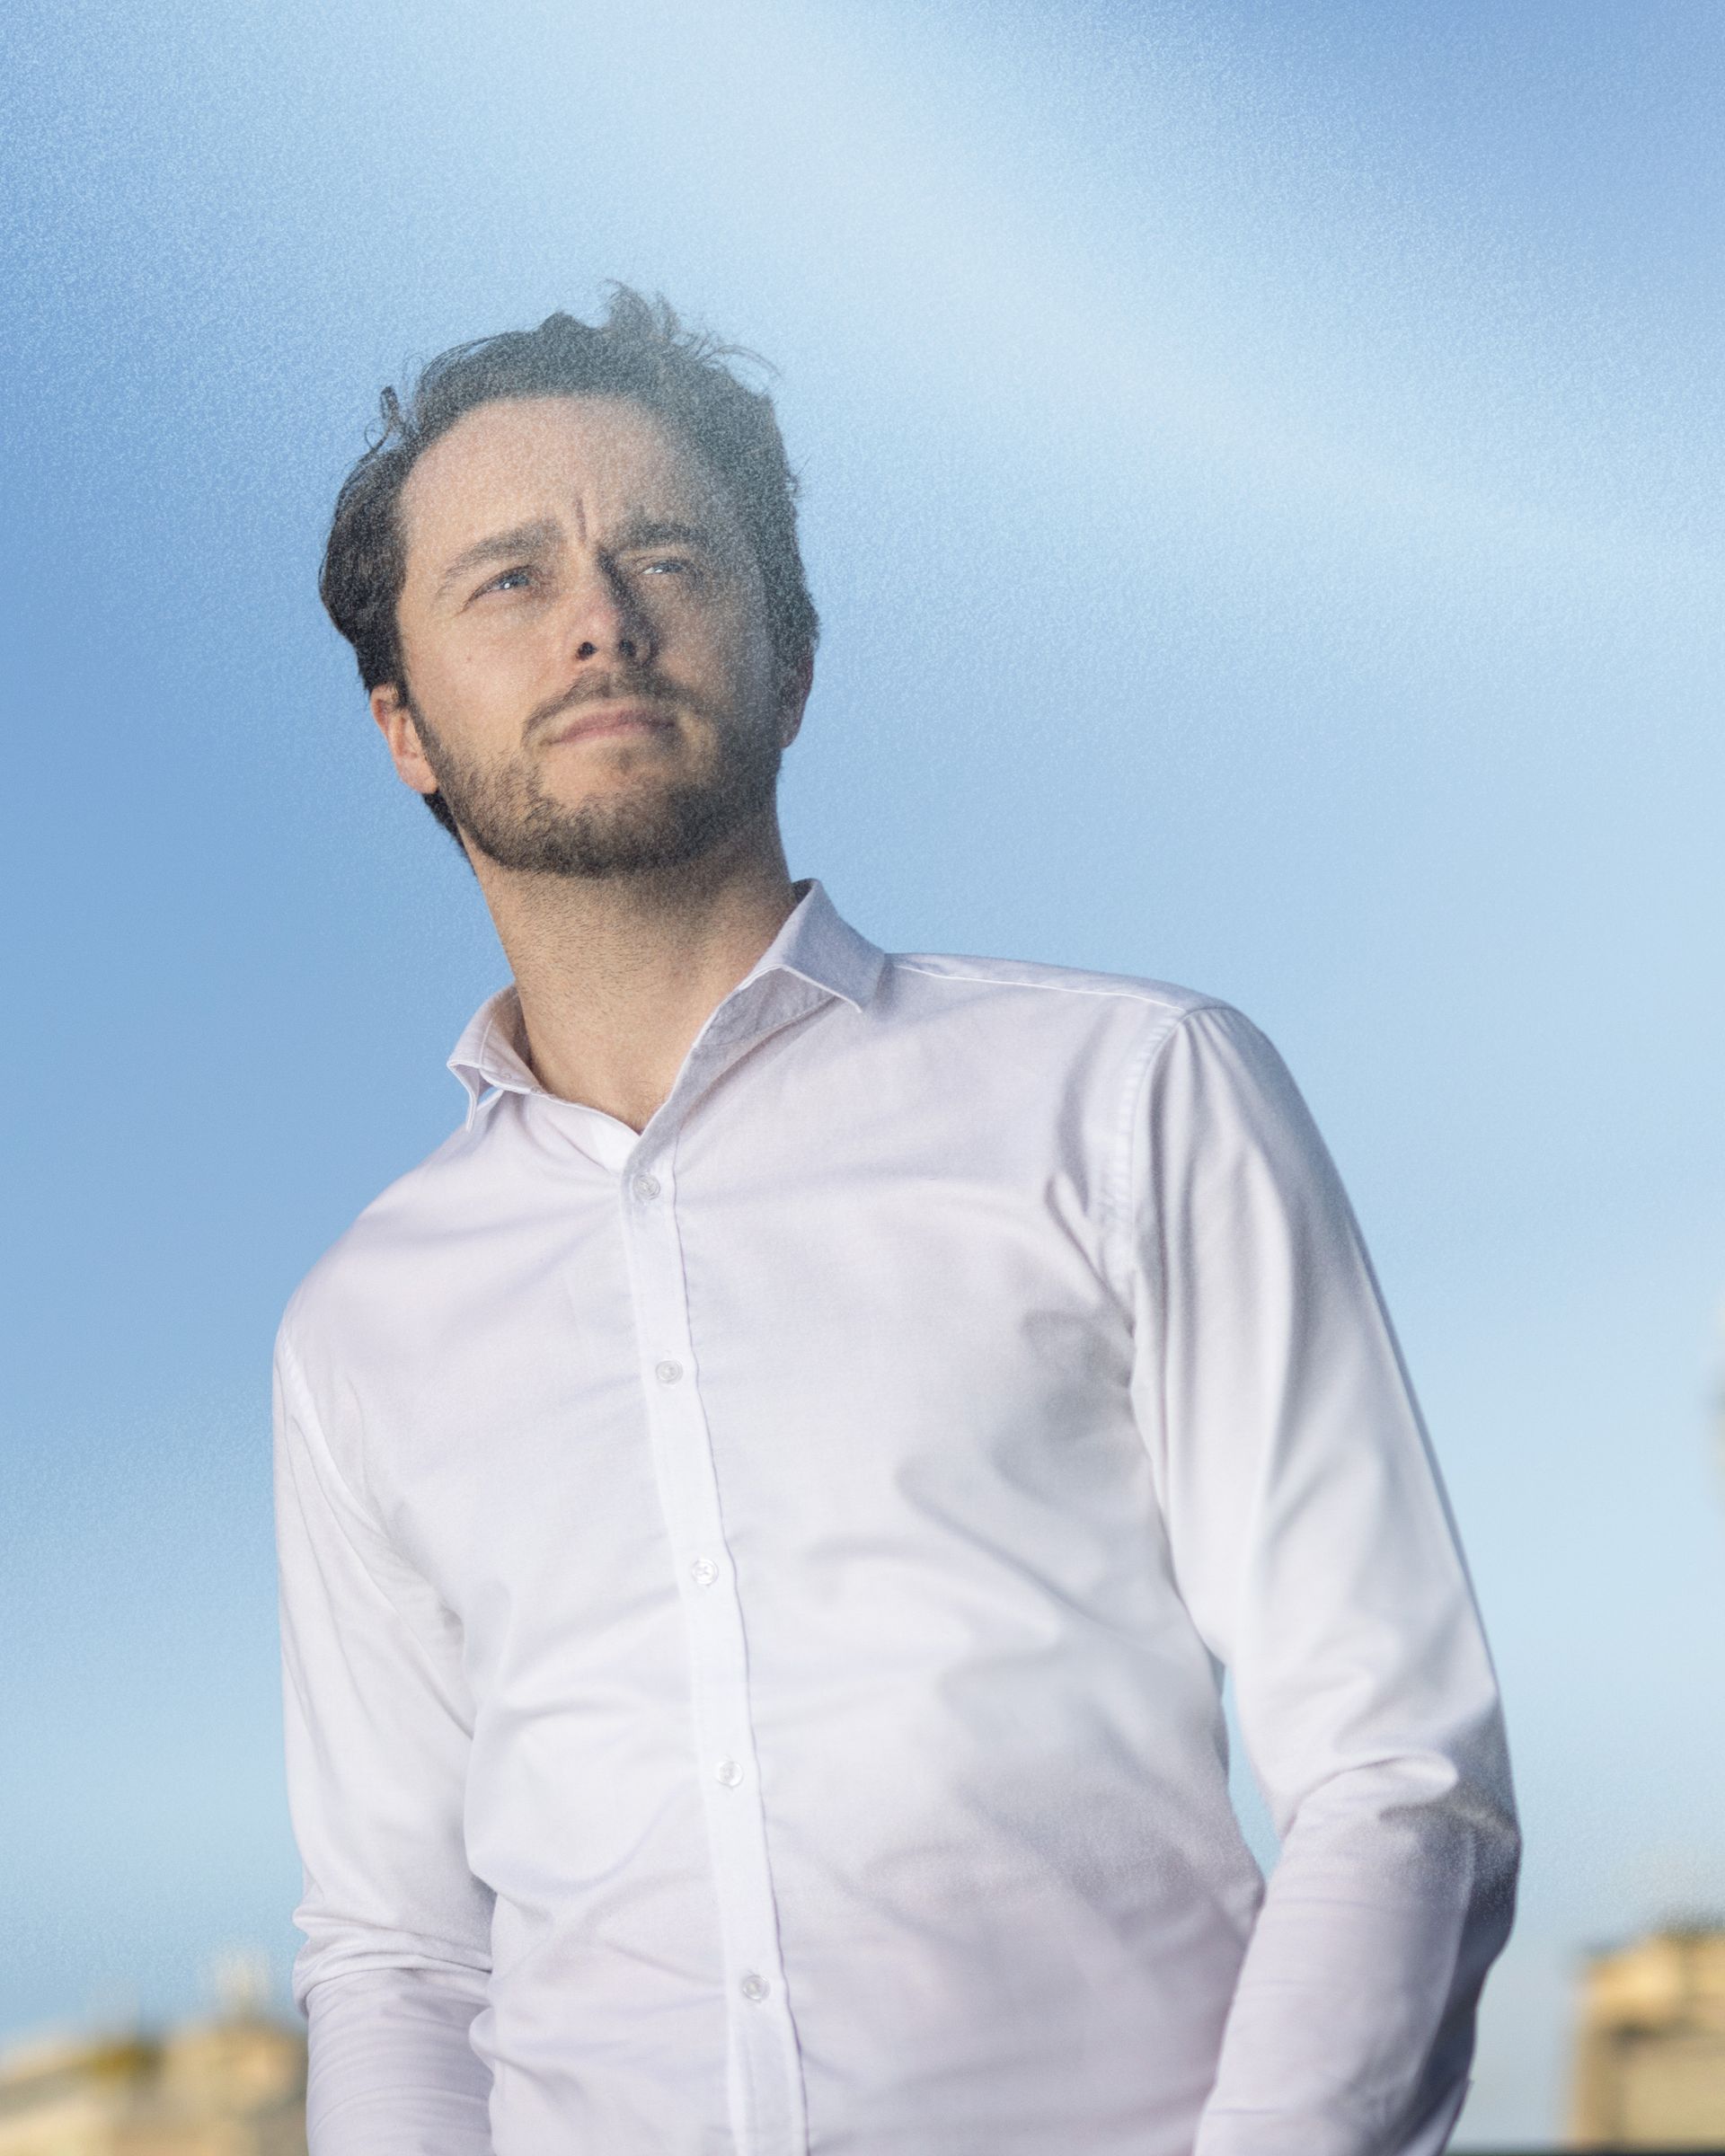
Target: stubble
644,824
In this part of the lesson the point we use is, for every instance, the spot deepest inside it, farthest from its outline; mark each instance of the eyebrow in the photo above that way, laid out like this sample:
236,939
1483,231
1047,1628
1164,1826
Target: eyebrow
655,531
520,539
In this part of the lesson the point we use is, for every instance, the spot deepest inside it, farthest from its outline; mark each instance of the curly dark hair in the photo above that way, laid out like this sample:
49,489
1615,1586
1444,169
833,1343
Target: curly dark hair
641,351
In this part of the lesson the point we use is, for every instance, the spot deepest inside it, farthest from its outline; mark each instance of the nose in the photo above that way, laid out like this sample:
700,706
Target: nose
606,622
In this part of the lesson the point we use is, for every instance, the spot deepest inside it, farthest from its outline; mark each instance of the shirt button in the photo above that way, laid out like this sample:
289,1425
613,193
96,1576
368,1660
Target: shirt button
729,1773
753,1987
703,1571
667,1373
645,1186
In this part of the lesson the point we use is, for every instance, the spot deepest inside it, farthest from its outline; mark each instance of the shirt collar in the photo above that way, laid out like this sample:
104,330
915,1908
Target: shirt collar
815,944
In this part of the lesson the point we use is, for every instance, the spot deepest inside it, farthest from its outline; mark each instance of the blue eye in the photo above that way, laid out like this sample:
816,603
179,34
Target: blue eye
511,579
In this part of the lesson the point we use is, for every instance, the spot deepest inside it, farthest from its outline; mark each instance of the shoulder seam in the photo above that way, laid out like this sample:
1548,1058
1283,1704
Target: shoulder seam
1126,991
294,1371
1130,1137
1121,1197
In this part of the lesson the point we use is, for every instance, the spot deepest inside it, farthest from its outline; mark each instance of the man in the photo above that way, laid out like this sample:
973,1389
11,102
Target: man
765,1509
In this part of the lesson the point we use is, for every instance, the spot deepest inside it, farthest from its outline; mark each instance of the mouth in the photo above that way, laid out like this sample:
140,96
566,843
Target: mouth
609,720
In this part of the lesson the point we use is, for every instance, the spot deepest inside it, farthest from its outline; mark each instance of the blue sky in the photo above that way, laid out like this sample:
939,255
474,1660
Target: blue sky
1262,479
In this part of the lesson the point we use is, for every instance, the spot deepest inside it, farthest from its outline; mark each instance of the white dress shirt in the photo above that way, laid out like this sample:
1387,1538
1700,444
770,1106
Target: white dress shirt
755,1593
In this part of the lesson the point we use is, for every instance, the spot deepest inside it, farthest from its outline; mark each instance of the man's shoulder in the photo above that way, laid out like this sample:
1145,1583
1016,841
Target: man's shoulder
1072,1038
1030,986
1092,1031
385,1241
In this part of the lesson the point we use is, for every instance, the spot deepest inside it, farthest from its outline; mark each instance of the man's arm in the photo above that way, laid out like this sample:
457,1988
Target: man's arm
1313,1544
377,1726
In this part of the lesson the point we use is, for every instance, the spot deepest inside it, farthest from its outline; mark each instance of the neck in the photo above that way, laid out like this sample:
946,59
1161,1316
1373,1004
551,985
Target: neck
617,975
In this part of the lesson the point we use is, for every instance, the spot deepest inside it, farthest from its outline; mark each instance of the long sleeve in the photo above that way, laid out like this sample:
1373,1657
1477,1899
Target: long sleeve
377,1731
1313,1548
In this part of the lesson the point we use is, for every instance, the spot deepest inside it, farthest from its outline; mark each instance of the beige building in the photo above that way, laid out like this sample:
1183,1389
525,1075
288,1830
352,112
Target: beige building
1649,2064
235,2086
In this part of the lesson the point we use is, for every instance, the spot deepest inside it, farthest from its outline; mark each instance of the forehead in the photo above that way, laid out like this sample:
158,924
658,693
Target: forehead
583,462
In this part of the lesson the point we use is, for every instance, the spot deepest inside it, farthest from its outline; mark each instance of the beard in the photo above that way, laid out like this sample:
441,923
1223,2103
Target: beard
641,826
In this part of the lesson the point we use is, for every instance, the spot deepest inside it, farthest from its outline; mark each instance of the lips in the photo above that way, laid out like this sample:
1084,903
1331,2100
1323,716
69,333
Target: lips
624,717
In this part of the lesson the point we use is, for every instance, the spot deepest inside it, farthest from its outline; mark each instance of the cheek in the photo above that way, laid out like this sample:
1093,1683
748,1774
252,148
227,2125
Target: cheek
481,682
745,650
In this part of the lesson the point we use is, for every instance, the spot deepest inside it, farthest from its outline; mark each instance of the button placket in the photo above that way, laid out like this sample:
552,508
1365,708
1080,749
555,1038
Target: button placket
762,2034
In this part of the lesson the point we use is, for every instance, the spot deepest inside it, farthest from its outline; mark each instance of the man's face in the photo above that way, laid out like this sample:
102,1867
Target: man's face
590,683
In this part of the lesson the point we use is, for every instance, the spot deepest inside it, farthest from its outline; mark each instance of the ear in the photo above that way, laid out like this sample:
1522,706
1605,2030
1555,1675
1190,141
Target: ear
799,679
406,752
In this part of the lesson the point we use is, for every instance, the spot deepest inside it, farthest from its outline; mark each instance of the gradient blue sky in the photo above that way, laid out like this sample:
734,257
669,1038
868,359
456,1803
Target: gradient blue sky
1263,485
